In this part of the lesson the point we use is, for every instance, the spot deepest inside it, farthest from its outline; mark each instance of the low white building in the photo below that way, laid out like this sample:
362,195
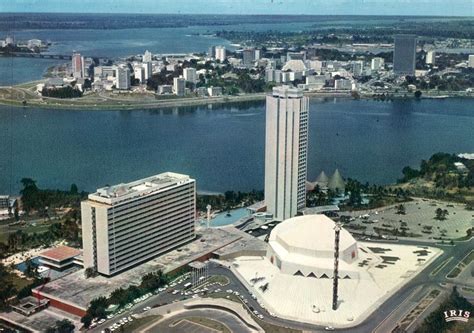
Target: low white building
296,250
214,91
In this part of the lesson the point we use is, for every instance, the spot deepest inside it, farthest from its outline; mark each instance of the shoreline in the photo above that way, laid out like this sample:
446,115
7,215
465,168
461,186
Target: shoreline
97,102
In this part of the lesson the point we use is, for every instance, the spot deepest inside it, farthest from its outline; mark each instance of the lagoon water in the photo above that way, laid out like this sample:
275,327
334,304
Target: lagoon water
223,146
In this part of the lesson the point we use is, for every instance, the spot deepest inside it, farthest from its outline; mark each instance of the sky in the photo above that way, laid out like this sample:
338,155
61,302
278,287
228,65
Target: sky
316,7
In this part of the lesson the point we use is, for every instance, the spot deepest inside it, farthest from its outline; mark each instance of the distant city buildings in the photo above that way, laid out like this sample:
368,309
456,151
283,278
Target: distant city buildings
77,65
179,86
404,55
139,73
358,68
214,91
147,57
286,141
471,61
189,75
221,53
249,57
342,84
212,52
430,57
122,77
128,224
377,63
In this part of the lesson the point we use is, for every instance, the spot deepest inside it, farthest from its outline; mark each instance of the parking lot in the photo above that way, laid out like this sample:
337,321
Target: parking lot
416,219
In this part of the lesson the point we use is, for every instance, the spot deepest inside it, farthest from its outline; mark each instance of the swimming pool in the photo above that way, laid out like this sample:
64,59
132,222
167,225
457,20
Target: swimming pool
222,219
22,265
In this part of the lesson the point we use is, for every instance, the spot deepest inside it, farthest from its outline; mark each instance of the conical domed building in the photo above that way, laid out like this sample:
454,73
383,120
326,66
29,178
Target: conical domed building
336,183
322,179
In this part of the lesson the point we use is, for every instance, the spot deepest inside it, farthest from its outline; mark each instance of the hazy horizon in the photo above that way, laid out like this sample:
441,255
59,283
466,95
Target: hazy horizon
455,8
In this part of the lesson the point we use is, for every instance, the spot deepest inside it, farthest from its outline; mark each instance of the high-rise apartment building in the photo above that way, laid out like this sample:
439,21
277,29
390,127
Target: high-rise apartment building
404,55
179,86
148,69
471,61
128,224
358,67
430,57
189,74
139,73
122,77
221,53
248,57
77,65
286,142
147,57
377,64
211,52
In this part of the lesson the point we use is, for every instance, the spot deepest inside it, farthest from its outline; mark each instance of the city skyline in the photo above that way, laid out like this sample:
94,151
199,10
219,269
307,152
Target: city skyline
270,7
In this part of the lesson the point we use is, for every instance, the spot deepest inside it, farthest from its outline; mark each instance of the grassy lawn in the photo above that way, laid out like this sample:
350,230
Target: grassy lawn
6,230
220,279
212,324
266,326
18,282
275,329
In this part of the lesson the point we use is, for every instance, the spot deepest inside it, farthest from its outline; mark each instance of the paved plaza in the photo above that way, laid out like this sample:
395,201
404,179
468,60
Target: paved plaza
383,269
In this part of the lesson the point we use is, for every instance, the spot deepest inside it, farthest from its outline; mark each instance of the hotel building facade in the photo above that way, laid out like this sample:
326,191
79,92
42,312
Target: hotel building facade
128,224
286,145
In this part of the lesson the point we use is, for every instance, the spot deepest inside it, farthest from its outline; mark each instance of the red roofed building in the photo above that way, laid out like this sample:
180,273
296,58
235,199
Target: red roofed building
60,257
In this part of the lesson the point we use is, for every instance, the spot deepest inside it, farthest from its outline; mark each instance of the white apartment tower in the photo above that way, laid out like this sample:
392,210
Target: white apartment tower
377,64
139,72
122,77
430,57
189,74
471,61
147,57
128,224
179,86
286,143
221,53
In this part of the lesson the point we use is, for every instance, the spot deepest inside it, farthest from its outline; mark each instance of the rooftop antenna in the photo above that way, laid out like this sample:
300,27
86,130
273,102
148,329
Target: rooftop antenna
337,230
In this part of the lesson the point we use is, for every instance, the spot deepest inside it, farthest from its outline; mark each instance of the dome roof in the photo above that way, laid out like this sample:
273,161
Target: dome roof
309,235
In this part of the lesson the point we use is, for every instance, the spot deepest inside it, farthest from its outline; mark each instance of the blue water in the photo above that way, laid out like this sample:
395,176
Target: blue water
223,147
222,219
22,266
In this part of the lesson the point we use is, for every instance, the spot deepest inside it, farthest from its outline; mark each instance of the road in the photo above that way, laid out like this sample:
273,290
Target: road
385,317
168,325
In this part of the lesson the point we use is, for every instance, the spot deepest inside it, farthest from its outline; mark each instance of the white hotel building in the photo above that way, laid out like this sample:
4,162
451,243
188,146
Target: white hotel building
128,224
286,145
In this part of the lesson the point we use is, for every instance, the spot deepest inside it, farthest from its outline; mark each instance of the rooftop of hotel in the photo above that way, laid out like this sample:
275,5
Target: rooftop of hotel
60,253
78,290
120,192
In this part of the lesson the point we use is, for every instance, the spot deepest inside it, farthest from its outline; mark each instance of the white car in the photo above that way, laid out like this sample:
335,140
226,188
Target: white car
329,328
260,316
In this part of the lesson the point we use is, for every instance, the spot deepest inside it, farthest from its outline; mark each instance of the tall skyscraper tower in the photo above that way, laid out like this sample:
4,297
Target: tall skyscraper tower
77,61
404,55
286,145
